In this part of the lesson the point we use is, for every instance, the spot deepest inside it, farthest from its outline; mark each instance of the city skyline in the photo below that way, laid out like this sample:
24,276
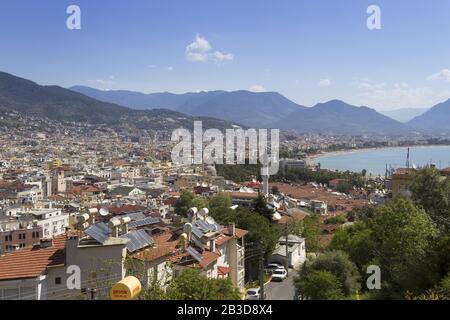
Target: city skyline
309,52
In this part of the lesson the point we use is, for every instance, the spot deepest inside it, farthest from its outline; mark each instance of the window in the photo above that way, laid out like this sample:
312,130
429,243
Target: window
24,236
58,280
20,236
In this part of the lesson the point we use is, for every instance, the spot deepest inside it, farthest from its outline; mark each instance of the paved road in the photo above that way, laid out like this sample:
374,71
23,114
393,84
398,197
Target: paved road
282,290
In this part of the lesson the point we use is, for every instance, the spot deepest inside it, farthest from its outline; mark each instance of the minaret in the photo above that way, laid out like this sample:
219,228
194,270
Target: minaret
265,179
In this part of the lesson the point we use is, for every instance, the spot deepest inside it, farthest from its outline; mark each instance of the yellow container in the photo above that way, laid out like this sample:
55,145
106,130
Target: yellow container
126,289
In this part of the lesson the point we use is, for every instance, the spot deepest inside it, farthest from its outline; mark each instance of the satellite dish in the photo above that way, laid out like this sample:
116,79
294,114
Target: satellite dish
210,220
104,212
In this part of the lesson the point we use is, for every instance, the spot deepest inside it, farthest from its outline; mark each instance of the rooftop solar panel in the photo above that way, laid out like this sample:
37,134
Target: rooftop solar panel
138,239
197,232
194,253
99,231
203,225
134,216
143,222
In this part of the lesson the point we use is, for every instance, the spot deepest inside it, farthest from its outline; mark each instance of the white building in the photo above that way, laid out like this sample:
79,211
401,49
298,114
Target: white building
296,251
52,221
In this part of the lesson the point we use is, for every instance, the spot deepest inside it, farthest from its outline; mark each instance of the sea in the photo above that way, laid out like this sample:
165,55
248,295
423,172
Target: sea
376,160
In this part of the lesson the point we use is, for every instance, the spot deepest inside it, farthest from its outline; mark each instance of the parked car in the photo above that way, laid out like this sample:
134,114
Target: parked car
254,294
271,267
279,274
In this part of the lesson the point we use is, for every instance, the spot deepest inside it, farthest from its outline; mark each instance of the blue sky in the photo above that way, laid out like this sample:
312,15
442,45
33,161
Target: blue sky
310,51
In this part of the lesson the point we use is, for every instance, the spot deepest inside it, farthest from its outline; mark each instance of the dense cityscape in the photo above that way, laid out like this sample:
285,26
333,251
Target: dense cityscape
294,154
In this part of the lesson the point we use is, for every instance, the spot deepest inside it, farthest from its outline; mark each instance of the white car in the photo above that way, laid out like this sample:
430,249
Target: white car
271,267
254,294
279,274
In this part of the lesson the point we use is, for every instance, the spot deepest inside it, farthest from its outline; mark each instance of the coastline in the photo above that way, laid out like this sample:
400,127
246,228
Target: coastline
313,158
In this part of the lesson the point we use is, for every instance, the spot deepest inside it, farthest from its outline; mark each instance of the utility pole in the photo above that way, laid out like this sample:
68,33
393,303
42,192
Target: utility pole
286,233
261,272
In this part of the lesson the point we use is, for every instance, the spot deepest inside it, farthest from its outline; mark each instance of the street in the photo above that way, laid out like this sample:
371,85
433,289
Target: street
282,290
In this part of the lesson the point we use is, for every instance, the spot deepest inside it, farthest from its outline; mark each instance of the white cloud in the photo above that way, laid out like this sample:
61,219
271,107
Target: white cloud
223,56
444,74
170,68
324,83
257,88
201,51
398,95
370,86
102,82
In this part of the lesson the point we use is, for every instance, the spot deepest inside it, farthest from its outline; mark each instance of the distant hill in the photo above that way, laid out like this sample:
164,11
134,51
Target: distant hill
143,101
249,108
56,103
437,119
217,109
404,114
338,117
262,109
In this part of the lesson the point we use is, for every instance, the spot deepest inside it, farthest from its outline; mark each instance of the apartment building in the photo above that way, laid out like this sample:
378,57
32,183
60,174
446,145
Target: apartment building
14,235
52,221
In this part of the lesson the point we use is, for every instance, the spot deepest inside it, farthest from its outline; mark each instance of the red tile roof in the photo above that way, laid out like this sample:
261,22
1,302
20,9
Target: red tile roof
164,246
222,270
221,239
208,258
240,233
30,263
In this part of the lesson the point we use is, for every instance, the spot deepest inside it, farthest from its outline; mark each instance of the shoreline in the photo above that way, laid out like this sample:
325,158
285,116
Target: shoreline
313,158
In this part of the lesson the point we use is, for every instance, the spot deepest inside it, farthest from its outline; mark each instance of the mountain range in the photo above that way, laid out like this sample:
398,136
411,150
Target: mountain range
60,104
217,109
436,120
265,109
249,108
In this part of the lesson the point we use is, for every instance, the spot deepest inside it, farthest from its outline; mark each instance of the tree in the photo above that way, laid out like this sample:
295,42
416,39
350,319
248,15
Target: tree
311,232
403,237
191,285
199,203
220,200
440,292
344,187
319,285
431,192
339,264
184,202
263,235
362,213
275,190
260,206
358,242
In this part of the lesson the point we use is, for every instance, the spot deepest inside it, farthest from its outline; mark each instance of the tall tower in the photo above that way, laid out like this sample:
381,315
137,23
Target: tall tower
265,179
